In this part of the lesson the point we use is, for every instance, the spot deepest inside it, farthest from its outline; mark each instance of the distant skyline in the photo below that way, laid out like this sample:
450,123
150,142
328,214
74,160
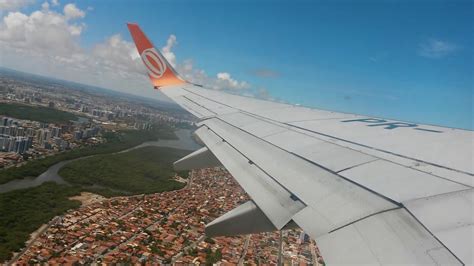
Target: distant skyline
407,60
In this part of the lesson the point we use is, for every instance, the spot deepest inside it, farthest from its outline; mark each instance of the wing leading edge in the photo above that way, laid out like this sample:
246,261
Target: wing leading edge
369,190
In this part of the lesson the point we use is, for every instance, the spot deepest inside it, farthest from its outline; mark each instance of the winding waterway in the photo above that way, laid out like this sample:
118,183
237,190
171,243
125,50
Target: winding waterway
184,142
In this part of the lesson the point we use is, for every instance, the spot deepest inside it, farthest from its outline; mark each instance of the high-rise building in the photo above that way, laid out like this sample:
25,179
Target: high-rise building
77,135
6,143
43,136
9,122
20,132
16,144
56,132
30,141
13,130
30,132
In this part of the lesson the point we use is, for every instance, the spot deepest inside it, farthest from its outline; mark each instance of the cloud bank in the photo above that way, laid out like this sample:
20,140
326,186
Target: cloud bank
47,42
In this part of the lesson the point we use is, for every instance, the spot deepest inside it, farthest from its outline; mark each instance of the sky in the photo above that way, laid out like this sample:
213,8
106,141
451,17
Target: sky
399,59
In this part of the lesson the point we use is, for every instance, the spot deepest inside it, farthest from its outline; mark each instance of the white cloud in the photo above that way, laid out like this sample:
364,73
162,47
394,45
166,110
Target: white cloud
434,48
186,69
167,53
47,42
225,80
55,2
72,12
116,54
39,32
11,5
45,5
222,81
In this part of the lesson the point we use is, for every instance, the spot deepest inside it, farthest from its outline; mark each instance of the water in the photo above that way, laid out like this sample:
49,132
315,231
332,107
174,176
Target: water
184,142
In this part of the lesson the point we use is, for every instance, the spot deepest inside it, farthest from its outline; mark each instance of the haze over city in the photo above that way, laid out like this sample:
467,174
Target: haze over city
407,60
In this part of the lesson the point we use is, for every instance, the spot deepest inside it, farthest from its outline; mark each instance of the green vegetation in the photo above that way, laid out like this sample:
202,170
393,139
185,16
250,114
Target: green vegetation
145,170
24,211
209,240
116,141
212,257
36,113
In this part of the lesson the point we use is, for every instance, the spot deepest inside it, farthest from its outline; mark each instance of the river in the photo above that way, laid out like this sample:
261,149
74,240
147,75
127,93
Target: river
184,142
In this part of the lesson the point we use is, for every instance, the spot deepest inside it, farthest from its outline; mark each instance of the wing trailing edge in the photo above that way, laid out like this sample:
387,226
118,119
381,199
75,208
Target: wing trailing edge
245,219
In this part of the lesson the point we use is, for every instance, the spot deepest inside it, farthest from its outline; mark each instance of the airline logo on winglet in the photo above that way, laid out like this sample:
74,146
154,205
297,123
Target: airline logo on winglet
160,71
154,63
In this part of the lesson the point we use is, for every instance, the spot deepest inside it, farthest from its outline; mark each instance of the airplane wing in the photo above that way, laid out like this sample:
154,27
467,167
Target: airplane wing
369,190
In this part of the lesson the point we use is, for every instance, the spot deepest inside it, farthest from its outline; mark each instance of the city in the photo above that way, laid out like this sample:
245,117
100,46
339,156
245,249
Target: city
166,227
163,228
77,118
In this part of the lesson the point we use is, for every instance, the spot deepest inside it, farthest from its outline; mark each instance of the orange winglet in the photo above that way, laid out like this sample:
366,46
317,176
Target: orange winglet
161,73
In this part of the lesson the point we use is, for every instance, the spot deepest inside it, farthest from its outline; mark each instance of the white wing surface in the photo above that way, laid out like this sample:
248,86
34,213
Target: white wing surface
368,190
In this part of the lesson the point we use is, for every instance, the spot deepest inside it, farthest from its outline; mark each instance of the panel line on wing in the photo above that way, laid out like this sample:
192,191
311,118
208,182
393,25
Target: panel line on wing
341,139
314,119
357,165
200,105
381,150
251,162
273,199
368,147
316,164
326,135
440,195
360,219
393,200
433,235
276,123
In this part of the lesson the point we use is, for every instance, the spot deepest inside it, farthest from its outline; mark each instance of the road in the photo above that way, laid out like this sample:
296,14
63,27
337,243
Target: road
244,252
314,255
101,256
30,243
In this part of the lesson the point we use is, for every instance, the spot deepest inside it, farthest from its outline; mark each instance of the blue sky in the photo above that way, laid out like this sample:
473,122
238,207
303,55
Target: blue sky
409,60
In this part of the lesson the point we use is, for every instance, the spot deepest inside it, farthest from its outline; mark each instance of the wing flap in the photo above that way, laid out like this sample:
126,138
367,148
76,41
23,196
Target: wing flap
275,201
393,237
340,201
244,219
450,218
398,182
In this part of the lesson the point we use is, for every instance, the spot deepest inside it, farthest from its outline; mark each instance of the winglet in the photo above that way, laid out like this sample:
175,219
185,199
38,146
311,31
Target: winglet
160,71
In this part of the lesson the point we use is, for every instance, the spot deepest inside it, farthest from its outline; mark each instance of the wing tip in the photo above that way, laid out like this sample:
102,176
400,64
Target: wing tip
160,71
